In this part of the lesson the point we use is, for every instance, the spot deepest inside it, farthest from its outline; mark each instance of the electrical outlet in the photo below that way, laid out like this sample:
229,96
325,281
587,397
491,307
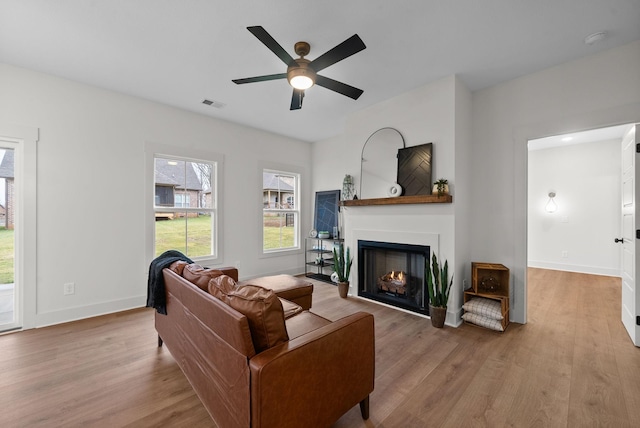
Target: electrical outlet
565,254
237,265
464,284
69,288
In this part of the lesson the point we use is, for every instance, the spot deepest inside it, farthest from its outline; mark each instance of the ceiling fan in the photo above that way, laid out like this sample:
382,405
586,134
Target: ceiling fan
302,73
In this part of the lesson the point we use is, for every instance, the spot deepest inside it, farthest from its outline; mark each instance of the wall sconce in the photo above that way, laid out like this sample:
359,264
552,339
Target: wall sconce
551,206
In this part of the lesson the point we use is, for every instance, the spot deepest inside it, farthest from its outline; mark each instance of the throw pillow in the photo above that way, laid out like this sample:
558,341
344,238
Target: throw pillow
486,307
221,286
264,312
199,275
482,321
178,266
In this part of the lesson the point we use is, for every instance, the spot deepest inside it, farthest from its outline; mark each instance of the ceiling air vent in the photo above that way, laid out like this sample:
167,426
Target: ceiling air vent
216,104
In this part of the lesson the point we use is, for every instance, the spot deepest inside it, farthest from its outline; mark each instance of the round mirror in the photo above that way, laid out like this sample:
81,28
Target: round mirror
379,164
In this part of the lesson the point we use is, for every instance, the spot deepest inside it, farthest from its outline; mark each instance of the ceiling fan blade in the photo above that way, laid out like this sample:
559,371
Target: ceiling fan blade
260,78
271,43
352,45
296,99
339,87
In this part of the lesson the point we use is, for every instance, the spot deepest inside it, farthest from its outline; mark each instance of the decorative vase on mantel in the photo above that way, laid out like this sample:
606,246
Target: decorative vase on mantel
440,187
343,289
445,190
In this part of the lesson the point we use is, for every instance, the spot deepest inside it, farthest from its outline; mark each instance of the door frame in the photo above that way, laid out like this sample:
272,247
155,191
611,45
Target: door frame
25,140
521,135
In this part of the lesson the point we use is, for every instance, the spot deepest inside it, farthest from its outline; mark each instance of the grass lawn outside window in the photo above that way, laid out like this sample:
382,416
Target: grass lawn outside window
170,235
6,256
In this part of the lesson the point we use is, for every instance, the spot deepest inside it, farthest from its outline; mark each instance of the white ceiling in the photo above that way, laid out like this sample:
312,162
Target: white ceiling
591,136
179,52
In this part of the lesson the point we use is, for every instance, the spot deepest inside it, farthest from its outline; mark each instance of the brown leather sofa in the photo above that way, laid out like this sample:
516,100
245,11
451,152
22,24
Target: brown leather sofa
311,379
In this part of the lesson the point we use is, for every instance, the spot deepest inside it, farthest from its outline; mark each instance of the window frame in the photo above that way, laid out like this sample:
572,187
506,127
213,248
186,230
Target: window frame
153,151
297,176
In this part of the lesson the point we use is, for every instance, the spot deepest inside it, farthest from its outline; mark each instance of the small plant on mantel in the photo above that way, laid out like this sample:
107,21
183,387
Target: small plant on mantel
442,186
439,286
342,267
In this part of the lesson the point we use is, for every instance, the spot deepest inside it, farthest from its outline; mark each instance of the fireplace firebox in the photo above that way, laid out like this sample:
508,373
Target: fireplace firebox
393,273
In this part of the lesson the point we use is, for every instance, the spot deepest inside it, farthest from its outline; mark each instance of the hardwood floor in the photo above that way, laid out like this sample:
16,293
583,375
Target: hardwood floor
572,365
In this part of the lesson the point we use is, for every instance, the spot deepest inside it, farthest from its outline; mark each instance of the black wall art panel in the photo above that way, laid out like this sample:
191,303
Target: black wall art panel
414,169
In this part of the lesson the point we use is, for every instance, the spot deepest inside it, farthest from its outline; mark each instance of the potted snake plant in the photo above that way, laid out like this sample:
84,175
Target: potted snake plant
439,285
342,267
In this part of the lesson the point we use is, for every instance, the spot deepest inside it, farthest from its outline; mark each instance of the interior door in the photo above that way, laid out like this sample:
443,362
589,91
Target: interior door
630,235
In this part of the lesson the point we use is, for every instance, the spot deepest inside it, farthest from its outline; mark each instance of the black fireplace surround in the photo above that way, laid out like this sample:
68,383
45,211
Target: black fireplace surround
393,273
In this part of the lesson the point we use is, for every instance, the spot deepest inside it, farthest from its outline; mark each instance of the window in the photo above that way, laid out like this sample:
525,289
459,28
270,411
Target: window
185,206
182,200
280,213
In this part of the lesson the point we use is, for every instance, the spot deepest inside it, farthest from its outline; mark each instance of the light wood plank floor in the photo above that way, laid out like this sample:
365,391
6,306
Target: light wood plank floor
572,365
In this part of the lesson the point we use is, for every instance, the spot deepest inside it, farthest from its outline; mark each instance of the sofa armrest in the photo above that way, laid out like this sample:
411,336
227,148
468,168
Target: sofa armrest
315,378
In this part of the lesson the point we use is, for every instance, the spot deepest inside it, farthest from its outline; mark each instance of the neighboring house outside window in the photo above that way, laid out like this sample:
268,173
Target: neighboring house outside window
184,206
182,200
280,212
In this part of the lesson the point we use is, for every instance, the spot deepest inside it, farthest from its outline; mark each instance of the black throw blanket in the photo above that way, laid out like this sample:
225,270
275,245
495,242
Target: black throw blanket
156,296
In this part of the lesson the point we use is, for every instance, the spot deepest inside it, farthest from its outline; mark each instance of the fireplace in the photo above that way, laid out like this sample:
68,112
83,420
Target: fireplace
393,273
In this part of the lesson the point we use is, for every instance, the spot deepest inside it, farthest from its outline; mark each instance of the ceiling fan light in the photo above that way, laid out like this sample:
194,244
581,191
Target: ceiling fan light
301,82
300,75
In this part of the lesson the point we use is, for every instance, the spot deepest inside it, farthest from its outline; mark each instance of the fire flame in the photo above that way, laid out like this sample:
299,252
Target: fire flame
399,276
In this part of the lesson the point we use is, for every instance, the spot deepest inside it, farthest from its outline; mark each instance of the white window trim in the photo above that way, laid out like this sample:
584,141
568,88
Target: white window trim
285,169
153,150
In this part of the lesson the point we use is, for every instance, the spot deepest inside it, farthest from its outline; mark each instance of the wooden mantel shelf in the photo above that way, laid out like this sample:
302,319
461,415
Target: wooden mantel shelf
400,200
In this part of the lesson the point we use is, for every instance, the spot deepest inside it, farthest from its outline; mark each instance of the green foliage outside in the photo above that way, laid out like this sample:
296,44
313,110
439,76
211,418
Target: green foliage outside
276,233
170,235
6,256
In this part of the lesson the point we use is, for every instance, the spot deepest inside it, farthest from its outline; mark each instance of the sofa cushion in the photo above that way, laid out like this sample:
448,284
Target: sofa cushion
289,308
221,286
199,275
178,266
262,308
295,289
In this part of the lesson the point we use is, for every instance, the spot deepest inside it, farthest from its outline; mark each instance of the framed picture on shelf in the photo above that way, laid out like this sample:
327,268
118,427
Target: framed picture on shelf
326,210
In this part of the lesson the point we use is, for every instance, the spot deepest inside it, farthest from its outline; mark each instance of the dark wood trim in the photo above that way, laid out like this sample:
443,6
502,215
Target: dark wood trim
400,200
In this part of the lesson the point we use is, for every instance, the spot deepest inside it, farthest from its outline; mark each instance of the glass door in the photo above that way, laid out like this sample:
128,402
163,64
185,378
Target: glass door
8,202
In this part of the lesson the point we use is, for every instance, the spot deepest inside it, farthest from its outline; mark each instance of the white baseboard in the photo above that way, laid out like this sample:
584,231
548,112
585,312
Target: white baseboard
82,312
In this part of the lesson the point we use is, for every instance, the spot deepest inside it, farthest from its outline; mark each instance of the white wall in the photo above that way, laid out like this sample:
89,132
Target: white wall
586,179
88,132
91,189
426,114
592,92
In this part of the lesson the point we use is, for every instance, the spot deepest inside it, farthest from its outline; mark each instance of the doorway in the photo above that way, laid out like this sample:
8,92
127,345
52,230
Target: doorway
575,202
9,294
574,196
